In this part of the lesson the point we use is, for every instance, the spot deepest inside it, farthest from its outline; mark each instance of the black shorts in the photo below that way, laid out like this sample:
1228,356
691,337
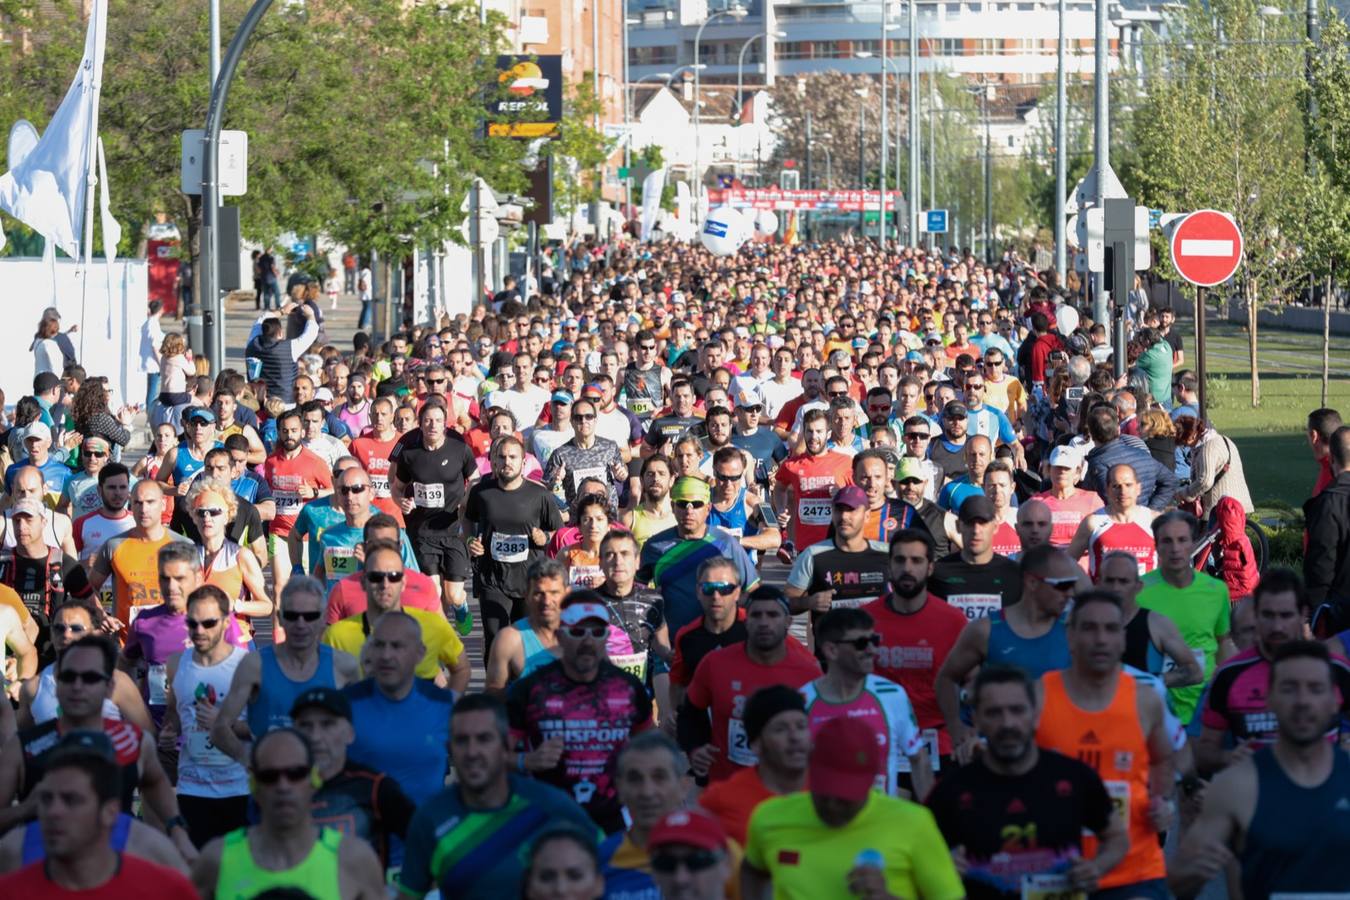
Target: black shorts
442,556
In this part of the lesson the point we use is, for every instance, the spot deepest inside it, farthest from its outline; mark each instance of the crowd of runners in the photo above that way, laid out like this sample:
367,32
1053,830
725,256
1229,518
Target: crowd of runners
817,571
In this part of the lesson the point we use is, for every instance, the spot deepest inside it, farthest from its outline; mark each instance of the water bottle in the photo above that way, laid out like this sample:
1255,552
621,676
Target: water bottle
869,859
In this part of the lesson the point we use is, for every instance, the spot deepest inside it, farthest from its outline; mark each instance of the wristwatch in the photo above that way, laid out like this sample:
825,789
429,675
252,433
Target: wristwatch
176,822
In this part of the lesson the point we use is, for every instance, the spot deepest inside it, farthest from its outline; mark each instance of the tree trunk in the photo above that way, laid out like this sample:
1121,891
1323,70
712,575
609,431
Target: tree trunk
1250,290
1326,339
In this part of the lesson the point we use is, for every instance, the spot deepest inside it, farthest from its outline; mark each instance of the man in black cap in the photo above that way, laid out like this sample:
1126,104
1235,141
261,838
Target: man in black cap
353,798
975,579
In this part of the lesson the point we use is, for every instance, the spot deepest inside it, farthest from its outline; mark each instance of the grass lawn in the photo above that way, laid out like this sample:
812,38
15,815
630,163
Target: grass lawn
1280,470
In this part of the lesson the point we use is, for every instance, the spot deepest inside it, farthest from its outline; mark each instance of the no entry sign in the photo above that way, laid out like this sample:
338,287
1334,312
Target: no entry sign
1206,247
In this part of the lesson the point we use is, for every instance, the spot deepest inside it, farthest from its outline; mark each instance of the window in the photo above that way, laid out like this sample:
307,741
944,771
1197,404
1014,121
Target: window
651,56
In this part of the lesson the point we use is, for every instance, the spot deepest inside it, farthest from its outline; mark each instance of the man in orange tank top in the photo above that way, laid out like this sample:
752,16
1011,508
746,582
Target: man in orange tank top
1095,712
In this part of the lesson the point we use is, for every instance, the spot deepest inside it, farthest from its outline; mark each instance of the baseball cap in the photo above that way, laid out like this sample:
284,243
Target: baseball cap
844,761
914,356
749,398
977,506
204,414
908,468
329,699
932,336
592,391
689,827
851,497
96,742
588,606
570,323
562,397
687,487
323,395
1063,455
954,409
28,506
36,430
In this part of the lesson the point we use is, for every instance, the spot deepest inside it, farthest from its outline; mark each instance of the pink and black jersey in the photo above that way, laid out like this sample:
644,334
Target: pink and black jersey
1236,702
594,720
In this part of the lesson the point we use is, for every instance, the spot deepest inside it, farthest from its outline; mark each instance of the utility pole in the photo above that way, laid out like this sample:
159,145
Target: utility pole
1061,156
881,134
988,180
1101,137
913,191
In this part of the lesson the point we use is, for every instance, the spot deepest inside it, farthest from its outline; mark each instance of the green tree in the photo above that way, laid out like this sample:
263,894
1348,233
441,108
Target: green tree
579,151
1220,127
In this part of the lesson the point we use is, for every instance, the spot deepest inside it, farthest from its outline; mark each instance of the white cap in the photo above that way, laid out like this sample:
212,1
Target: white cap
1065,456
37,430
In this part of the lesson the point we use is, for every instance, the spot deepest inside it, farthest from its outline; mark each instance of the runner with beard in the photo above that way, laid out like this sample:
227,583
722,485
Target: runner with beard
1014,818
508,522
918,629
295,474
430,471
805,482
571,717
373,450
1282,813
644,380
711,722
653,512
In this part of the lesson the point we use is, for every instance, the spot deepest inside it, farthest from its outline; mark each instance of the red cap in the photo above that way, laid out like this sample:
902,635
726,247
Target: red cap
851,497
844,760
691,827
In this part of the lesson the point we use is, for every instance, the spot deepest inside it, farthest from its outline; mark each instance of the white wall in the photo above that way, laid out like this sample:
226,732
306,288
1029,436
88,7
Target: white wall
108,342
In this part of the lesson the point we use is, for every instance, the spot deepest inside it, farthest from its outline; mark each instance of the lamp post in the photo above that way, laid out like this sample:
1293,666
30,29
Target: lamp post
862,158
913,122
735,12
825,136
740,89
628,109
1061,157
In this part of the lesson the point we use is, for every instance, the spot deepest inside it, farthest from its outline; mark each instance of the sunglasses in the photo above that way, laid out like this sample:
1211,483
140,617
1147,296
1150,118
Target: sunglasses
917,436
727,478
1063,585
862,643
293,774
435,381
689,504
210,511
591,631
353,489
68,629
294,615
95,454
203,624
374,576
698,861
583,417
719,588
70,676
838,394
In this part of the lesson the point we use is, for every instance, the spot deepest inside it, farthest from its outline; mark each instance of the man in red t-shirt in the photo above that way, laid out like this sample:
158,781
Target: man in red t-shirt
918,630
372,450
805,483
1069,504
77,808
295,474
711,723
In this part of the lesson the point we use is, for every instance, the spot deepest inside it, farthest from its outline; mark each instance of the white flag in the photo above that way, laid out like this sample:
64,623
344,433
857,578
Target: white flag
46,191
112,229
652,187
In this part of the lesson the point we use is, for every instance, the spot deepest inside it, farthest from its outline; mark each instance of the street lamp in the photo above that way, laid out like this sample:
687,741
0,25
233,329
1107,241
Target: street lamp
735,12
862,159
740,70
825,137
984,89
629,108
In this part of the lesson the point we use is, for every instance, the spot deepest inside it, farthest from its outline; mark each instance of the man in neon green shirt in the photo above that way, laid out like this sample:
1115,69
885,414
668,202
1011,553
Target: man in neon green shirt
841,838
1197,603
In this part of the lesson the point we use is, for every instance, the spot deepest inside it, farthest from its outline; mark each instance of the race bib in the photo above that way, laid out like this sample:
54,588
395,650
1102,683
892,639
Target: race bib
1119,792
134,612
597,472
930,743
429,496
157,681
204,753
1050,886
976,606
584,576
814,510
634,664
288,502
738,745
1170,664
510,548
640,406
340,562
379,484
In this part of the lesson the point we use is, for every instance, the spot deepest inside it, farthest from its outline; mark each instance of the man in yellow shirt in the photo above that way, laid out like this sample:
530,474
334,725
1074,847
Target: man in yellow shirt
841,838
383,581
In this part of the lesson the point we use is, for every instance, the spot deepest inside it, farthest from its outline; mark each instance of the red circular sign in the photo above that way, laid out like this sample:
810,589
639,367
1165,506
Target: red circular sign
1206,247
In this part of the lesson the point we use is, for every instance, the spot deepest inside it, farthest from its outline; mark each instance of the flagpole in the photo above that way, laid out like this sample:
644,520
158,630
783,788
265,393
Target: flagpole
91,157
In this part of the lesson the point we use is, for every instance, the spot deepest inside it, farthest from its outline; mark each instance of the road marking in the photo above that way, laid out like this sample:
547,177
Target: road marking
1198,247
